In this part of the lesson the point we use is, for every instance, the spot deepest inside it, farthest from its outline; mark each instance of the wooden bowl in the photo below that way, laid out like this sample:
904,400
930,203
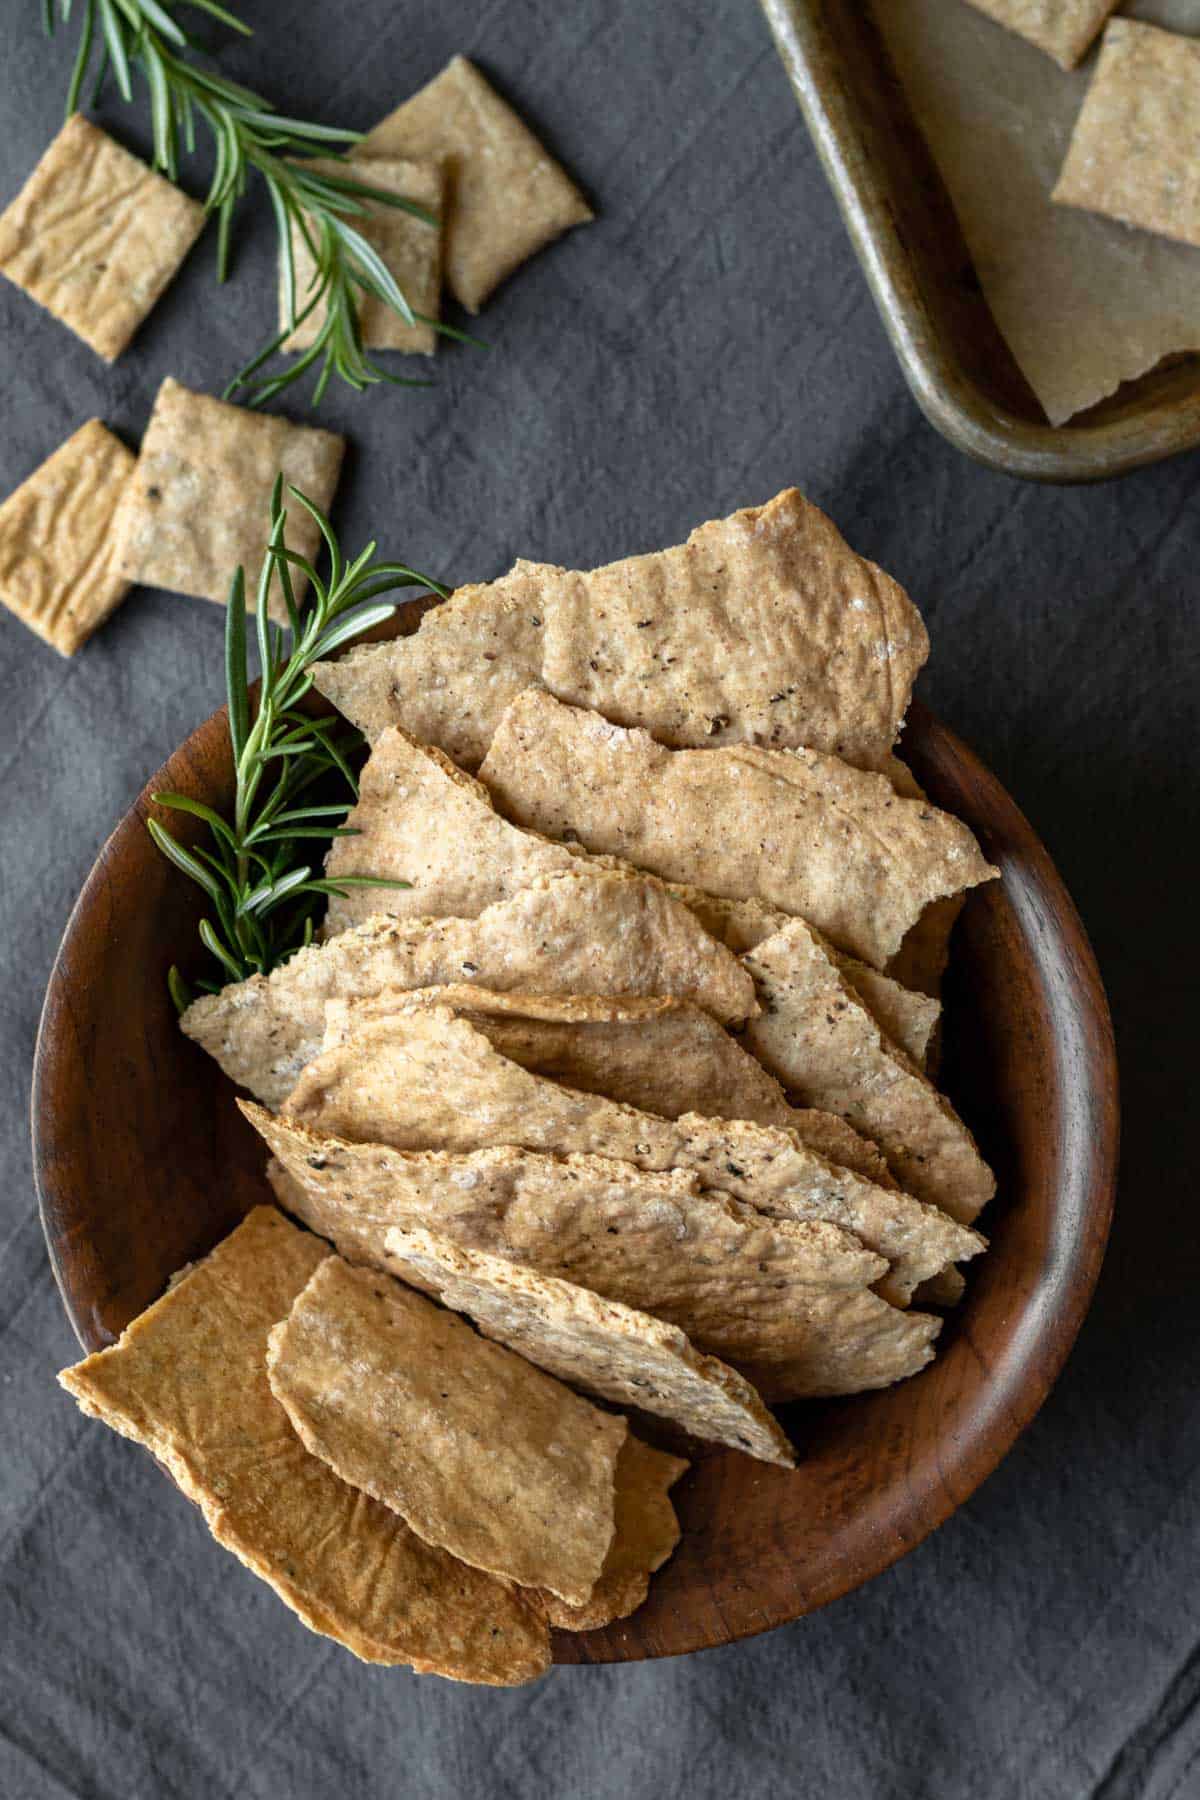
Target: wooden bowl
143,1162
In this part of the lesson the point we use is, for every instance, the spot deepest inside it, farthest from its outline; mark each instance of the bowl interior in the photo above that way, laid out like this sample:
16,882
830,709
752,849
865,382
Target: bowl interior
143,1163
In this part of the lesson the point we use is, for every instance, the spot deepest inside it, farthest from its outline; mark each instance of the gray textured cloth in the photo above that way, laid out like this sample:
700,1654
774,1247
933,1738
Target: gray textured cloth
706,342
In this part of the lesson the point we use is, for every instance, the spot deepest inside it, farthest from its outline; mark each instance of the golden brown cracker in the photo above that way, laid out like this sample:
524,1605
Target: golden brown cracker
506,197
188,1379
57,551
481,1454
95,236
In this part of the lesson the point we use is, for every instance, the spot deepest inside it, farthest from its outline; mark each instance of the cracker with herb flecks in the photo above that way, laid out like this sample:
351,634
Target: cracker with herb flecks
1062,28
754,1290
815,1035
95,236
598,932
199,501
426,1080
188,1379
664,1056
763,627
410,248
57,551
646,1533
480,1454
506,197
1133,152
907,1017
421,820
807,833
605,1348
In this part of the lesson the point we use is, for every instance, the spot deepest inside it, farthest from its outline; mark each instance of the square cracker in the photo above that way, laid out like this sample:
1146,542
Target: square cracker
599,1345
188,1379
1133,153
479,1453
411,249
1062,28
199,502
57,552
506,198
95,236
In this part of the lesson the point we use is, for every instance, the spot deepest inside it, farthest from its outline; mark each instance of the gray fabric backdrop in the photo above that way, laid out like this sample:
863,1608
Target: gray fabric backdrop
708,341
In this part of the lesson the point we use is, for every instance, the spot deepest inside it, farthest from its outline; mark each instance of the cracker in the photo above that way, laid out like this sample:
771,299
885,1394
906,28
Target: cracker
199,501
421,820
753,1290
411,249
907,1017
1132,156
805,832
188,1379
664,1056
589,933
95,236
647,1531
506,197
820,1041
427,1080
763,627
608,1349
480,1454
1062,28
57,569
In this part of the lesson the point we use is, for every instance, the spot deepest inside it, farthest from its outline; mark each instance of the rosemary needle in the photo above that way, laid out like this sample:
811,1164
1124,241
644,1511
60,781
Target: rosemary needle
257,868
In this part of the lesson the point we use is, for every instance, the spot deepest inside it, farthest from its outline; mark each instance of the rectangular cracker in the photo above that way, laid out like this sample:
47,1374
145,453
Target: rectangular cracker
599,1345
482,1455
95,236
188,1379
57,552
805,832
410,248
664,1056
506,197
427,1080
199,501
757,1292
647,1531
592,932
763,627
826,1048
1062,28
1133,153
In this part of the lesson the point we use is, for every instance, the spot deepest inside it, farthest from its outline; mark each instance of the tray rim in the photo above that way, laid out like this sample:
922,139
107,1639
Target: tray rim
943,389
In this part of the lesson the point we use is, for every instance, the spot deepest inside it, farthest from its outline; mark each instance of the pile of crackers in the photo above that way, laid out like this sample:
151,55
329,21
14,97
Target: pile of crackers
96,237
1132,154
613,1128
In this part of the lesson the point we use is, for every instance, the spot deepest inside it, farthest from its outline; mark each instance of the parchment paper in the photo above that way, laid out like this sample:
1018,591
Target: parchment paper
1084,303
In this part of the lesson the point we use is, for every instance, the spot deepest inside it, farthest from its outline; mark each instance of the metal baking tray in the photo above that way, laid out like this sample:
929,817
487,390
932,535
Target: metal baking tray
903,228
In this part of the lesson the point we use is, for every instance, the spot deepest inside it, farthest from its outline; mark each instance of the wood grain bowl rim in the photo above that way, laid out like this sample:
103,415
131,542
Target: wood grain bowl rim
1151,420
896,1518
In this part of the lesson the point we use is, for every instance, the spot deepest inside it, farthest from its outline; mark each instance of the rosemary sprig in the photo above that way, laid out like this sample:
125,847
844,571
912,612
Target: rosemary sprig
248,134
264,896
